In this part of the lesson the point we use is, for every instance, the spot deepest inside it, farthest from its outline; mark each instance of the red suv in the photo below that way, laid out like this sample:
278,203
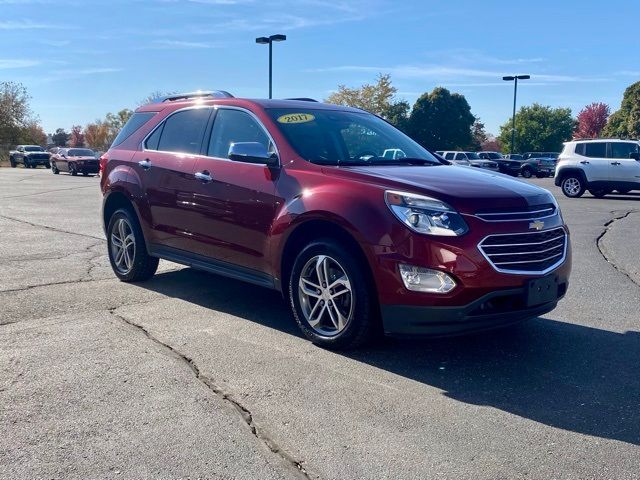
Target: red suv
298,196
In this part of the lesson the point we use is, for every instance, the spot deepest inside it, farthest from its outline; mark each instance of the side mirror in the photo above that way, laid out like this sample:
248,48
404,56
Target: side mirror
252,152
635,155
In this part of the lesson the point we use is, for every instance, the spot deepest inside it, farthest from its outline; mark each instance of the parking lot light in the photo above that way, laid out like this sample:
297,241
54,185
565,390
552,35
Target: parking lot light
514,78
269,41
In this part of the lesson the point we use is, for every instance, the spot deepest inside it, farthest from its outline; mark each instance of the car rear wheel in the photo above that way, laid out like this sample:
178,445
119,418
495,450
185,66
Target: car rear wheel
331,296
572,186
128,254
54,169
72,169
527,173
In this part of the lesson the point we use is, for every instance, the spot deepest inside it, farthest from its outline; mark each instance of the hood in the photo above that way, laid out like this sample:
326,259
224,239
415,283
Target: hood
37,153
84,157
467,189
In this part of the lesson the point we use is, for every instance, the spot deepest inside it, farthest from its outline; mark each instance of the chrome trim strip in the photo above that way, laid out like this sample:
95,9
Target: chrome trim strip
528,261
517,213
527,272
526,253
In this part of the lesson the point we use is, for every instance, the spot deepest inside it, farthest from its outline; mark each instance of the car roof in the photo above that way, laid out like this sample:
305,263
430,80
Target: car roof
246,102
589,140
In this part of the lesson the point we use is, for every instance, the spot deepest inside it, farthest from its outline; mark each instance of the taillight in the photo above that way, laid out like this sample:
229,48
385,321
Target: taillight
103,163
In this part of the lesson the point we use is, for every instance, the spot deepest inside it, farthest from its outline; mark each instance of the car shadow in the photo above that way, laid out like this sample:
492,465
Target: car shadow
568,376
615,196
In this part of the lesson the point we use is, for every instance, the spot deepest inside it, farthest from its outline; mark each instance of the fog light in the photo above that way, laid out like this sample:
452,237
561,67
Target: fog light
420,279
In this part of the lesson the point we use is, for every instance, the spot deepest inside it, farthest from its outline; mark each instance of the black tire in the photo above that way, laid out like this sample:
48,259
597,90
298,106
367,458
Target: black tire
360,325
143,266
47,165
72,169
572,186
26,165
527,173
12,162
85,174
599,193
54,169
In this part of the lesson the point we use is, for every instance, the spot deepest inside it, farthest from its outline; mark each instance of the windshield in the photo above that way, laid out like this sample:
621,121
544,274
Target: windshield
335,137
473,156
80,152
515,156
33,149
494,155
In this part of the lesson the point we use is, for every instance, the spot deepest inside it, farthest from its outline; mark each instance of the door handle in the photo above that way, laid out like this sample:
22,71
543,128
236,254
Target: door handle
615,163
145,164
584,162
203,176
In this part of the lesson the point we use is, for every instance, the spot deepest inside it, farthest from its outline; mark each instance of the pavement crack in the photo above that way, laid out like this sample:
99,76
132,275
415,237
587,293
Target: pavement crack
54,229
244,412
607,226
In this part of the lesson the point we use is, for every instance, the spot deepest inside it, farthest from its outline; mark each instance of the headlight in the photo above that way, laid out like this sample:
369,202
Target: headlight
426,215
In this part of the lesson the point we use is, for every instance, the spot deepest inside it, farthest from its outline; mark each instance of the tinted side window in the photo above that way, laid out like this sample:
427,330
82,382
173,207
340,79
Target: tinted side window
460,156
182,132
595,149
231,126
135,122
580,149
449,156
622,149
153,141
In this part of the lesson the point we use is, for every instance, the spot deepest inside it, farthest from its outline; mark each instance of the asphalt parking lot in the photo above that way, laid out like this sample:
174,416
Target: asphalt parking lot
194,376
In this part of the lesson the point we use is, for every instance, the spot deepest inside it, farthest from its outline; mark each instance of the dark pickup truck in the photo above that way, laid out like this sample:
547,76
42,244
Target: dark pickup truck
30,156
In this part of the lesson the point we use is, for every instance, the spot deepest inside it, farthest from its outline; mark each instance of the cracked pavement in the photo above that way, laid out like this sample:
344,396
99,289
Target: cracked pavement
191,375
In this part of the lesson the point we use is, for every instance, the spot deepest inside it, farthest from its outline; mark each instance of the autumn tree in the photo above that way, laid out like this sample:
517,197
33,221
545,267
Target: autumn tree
591,120
377,98
76,138
625,123
491,144
441,120
478,134
15,114
33,134
539,128
96,135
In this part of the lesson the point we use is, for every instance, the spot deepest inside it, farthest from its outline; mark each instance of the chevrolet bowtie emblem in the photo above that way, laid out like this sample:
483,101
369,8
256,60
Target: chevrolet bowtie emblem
537,225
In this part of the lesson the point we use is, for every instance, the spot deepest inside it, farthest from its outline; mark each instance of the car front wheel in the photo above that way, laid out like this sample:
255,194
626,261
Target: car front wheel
331,296
128,254
572,186
527,173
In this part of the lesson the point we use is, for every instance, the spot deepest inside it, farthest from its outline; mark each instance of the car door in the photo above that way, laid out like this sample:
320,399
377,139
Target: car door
236,205
165,167
596,166
62,163
623,168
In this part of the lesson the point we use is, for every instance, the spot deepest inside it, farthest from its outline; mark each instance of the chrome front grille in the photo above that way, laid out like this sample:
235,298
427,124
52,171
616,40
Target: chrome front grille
522,214
526,253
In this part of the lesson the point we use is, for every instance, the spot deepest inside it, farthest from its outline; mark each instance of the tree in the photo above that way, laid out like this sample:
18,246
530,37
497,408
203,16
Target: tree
625,123
76,138
116,121
15,113
377,98
539,129
60,138
441,120
33,134
591,120
96,135
153,96
491,144
478,134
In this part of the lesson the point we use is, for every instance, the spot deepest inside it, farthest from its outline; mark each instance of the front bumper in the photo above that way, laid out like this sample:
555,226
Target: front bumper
36,161
493,310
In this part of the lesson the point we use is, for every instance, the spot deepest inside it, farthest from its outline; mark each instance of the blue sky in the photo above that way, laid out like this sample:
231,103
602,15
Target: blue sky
82,59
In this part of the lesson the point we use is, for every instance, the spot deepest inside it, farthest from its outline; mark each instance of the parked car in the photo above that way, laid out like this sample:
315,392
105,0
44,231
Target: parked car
600,166
508,166
74,161
30,156
540,167
282,194
528,155
514,156
473,159
456,158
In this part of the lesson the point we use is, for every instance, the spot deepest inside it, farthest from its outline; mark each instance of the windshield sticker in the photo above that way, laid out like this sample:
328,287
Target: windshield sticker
296,118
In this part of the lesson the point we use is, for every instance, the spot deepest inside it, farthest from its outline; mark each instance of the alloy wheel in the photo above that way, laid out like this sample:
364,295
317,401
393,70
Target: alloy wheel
123,246
571,186
326,295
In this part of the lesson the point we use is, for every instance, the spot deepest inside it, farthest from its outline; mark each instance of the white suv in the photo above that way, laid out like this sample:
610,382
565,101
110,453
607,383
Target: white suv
600,166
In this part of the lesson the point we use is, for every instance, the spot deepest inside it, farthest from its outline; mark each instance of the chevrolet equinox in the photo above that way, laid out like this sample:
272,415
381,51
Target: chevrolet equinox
299,196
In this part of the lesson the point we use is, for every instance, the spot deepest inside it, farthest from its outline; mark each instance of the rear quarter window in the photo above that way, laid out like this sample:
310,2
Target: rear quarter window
595,149
136,121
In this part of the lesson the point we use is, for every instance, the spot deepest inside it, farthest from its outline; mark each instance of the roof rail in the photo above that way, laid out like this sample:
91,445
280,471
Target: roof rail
198,94
303,99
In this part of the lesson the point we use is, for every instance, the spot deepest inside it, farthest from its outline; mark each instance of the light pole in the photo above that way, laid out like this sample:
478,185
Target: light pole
269,40
515,79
